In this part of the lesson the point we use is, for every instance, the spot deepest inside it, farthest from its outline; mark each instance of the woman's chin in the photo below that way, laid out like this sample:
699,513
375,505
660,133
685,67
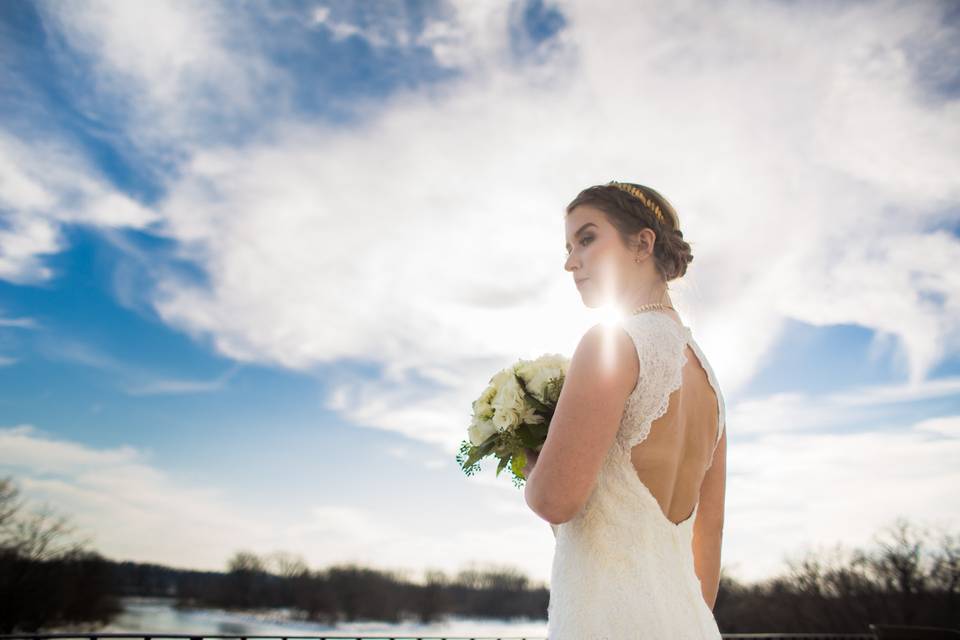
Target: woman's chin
591,301
594,300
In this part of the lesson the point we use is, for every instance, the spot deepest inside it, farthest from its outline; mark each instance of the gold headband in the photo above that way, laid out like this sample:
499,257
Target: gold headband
653,206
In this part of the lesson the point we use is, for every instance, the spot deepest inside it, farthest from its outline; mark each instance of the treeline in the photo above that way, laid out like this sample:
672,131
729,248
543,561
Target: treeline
910,578
349,592
47,576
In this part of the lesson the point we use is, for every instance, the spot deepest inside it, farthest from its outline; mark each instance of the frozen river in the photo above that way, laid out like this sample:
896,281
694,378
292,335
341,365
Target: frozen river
157,615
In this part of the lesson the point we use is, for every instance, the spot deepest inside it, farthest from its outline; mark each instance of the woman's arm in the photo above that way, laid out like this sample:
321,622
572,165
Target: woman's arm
708,527
602,373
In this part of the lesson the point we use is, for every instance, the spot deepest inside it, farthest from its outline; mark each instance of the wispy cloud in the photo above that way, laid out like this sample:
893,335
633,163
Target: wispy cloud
850,409
44,184
189,77
130,378
172,385
20,323
15,323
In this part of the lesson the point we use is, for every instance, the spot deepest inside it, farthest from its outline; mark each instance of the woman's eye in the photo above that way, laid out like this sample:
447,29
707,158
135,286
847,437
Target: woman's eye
583,243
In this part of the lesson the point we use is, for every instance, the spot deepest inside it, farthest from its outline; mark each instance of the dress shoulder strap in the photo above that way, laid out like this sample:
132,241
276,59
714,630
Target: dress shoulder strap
660,343
712,378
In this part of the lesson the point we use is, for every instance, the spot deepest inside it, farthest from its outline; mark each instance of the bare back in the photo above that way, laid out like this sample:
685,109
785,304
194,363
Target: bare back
672,461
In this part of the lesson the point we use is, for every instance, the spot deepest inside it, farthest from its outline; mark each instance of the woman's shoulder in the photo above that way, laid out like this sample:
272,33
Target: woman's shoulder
654,325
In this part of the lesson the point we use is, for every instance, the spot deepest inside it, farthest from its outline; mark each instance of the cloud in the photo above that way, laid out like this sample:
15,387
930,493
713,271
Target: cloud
191,75
787,490
127,506
426,237
15,323
174,385
132,379
442,247
45,184
342,29
802,488
22,323
862,407
948,426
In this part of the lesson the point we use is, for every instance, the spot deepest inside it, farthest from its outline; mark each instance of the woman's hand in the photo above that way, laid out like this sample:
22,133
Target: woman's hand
532,457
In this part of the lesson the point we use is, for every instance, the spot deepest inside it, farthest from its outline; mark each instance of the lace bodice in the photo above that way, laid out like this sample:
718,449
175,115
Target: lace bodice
661,350
621,569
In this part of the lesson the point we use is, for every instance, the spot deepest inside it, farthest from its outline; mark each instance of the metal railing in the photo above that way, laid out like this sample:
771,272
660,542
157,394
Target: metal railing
877,632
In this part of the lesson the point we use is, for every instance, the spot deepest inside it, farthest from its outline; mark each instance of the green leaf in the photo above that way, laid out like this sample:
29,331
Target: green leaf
503,463
479,452
525,434
518,463
539,432
537,405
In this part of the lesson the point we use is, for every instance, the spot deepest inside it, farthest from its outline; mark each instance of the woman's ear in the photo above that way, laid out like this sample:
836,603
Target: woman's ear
644,241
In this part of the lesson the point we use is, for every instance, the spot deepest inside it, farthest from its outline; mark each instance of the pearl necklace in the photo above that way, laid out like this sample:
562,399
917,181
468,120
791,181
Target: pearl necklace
649,306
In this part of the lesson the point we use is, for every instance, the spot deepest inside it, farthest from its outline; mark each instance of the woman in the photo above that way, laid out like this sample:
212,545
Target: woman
632,474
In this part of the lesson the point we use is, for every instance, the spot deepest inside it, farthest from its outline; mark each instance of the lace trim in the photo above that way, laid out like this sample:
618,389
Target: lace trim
655,379
721,403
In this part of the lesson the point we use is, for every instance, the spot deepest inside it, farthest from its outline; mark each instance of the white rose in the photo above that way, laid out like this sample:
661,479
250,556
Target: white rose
525,369
481,406
508,403
480,430
554,360
538,385
500,378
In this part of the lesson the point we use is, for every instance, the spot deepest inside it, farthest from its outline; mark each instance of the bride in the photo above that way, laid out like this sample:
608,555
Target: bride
632,474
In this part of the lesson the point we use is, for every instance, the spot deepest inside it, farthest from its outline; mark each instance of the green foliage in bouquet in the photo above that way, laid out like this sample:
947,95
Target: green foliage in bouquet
513,413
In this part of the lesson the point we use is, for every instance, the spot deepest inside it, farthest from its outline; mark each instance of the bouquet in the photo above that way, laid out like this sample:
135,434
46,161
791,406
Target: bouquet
513,413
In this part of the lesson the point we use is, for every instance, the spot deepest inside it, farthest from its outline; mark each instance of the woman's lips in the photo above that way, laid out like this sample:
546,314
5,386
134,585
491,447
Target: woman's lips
581,281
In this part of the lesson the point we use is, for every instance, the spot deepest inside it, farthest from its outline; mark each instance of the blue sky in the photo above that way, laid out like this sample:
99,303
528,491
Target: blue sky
256,259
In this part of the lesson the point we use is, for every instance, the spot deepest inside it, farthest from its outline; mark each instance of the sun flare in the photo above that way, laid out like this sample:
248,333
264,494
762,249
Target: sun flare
610,315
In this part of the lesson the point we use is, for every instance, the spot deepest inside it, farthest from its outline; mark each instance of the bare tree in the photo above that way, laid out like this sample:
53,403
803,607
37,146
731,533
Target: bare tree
39,535
9,502
946,566
245,562
44,535
43,568
287,565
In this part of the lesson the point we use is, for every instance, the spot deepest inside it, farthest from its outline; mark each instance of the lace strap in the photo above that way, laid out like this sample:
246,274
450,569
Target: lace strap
712,379
661,351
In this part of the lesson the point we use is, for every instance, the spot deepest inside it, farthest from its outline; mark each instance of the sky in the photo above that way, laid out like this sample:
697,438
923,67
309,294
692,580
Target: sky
257,259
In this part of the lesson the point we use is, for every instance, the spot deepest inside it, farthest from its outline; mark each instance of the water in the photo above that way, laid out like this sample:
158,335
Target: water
158,615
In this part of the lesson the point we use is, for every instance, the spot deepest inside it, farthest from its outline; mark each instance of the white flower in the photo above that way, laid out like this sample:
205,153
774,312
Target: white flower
480,430
508,403
543,376
481,406
530,416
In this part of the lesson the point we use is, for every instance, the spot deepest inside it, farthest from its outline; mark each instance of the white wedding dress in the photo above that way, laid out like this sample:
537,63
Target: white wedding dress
621,569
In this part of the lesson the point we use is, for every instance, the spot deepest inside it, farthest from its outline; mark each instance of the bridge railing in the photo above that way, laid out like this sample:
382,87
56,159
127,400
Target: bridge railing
877,632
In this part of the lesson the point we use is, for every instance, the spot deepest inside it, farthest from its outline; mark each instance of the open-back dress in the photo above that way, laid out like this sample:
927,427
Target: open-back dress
621,569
